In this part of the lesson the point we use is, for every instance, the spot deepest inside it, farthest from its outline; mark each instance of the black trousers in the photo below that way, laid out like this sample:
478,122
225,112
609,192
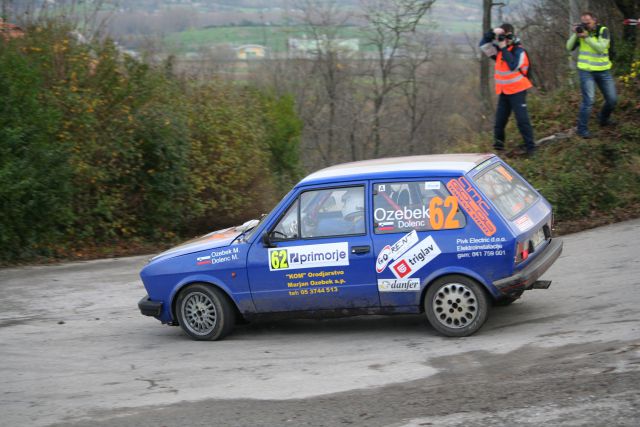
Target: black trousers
518,104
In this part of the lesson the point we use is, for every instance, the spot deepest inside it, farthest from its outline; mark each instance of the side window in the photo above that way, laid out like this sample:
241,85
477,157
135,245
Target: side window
287,228
422,205
332,212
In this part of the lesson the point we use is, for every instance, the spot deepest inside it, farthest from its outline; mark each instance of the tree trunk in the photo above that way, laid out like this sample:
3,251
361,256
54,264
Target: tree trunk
485,85
630,10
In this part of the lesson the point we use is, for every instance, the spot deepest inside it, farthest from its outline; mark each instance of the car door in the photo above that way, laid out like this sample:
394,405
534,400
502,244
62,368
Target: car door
319,254
415,226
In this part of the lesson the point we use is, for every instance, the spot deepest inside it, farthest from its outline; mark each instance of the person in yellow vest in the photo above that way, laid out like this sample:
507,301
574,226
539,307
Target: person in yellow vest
594,65
512,83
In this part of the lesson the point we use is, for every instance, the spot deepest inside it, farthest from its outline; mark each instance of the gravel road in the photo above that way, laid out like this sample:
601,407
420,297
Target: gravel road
76,352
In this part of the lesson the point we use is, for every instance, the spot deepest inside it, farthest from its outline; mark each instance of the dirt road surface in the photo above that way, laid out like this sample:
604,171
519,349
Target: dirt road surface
75,351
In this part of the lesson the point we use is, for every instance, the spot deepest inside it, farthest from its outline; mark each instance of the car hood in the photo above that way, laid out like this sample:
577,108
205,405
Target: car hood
215,239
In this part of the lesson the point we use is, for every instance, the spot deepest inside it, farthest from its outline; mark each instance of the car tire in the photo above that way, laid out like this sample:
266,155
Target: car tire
205,313
456,306
508,300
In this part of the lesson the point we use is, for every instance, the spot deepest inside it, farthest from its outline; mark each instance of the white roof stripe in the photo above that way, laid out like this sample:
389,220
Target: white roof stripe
439,162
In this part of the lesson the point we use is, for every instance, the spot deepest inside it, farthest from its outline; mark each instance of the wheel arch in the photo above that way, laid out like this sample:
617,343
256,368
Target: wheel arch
201,281
453,272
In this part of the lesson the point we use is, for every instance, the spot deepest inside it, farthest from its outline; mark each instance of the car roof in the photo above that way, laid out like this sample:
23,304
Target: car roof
398,167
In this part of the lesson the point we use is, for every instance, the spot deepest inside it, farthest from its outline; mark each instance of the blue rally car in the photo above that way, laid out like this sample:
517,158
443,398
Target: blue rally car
447,235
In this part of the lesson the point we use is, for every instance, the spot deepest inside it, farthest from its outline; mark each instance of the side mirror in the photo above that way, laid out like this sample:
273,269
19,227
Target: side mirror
266,240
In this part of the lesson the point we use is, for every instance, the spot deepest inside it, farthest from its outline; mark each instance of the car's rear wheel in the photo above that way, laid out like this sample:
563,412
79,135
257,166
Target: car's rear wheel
456,306
204,312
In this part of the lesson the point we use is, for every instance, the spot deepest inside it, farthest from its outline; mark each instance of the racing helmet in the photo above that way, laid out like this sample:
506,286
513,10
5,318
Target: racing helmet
352,202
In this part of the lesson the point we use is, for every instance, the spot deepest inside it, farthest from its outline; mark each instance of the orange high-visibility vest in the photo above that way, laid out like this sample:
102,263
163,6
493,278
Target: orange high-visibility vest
510,82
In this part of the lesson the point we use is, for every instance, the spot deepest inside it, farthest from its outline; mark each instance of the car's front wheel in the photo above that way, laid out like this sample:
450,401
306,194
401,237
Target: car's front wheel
204,312
456,306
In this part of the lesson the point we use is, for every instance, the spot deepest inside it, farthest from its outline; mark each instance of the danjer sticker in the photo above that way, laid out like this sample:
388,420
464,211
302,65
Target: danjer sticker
391,252
296,257
419,256
398,285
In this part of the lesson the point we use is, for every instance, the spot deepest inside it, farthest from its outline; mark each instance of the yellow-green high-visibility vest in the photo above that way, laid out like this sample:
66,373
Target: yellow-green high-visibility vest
589,59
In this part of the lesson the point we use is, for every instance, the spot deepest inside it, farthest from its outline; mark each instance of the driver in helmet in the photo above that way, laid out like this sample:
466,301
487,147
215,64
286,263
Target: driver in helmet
353,209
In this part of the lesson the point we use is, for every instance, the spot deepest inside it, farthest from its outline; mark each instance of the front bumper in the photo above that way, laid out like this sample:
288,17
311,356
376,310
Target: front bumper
150,308
526,278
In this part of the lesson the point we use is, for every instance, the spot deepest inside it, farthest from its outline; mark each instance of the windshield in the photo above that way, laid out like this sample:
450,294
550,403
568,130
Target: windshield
249,233
510,194
248,228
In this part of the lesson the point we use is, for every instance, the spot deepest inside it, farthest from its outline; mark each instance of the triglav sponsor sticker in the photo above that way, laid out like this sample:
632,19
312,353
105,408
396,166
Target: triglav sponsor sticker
416,258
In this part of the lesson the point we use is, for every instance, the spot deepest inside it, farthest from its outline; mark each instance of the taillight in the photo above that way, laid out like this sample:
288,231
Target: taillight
522,252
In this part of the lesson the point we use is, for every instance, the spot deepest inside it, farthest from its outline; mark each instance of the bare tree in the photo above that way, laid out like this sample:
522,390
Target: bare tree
4,10
416,86
543,25
323,20
391,23
628,9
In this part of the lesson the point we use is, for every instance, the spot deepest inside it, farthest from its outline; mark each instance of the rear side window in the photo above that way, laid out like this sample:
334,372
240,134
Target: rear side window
421,205
509,193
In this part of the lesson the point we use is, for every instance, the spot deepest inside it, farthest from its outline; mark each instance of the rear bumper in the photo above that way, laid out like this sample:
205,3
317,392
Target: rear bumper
526,278
150,308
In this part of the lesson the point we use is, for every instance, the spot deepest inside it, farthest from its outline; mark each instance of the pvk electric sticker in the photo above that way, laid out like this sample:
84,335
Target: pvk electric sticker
398,285
296,257
416,258
391,252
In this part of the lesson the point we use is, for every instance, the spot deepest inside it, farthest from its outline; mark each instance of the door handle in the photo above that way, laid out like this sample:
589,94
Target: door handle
360,249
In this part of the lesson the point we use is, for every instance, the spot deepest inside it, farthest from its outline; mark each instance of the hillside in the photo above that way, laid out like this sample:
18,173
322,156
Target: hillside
589,182
189,26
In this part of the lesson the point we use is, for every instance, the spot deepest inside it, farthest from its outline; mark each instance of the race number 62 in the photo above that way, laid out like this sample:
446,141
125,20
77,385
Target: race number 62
437,216
279,259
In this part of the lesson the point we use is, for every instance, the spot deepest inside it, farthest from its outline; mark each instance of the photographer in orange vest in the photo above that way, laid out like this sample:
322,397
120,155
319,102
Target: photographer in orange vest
511,69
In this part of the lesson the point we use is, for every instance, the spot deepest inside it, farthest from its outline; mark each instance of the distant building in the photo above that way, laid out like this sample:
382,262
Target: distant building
305,47
10,31
251,51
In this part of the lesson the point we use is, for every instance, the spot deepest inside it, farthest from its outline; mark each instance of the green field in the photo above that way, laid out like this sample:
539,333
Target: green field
273,37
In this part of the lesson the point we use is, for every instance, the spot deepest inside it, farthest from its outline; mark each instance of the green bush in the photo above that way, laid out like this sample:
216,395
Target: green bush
35,187
97,148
